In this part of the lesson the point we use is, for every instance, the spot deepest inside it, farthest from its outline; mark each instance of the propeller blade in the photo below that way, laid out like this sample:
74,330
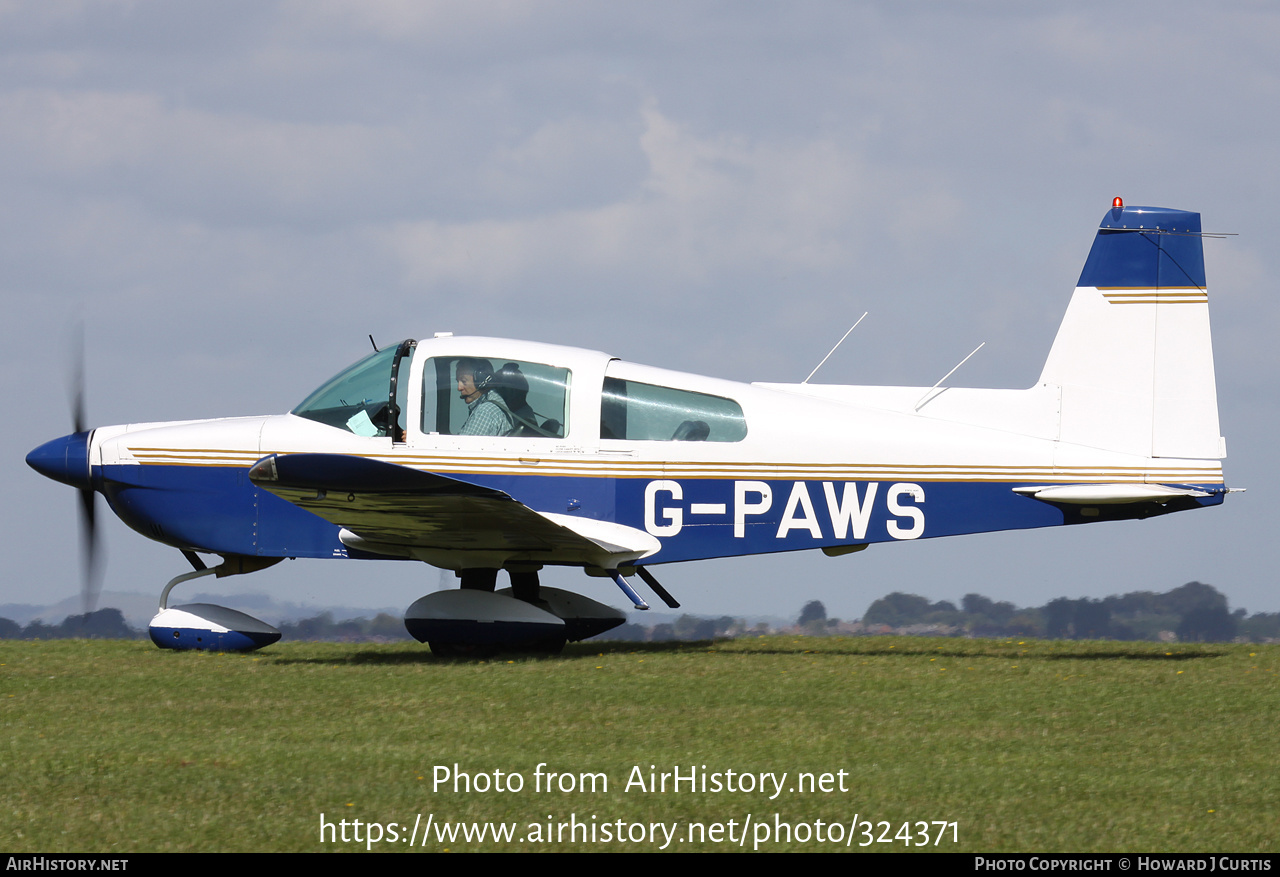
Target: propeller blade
77,383
91,572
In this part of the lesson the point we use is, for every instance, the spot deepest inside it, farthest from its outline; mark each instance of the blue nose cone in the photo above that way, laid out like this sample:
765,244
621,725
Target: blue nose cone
64,459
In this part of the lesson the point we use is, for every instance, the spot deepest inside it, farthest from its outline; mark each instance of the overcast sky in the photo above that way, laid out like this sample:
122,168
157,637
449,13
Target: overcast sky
233,195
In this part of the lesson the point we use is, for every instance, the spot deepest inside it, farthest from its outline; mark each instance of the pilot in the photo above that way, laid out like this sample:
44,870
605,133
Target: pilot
487,413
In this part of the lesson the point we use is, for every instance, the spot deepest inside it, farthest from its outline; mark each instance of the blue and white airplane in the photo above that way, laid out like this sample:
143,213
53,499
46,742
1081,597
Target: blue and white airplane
480,455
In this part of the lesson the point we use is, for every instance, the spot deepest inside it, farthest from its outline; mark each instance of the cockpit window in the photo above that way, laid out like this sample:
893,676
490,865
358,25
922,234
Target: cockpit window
358,398
494,396
645,412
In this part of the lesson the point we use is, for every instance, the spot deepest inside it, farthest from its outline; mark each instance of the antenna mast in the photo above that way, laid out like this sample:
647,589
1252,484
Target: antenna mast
833,349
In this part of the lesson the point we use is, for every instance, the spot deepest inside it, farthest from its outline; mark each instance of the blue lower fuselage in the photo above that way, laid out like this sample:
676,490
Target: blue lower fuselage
218,510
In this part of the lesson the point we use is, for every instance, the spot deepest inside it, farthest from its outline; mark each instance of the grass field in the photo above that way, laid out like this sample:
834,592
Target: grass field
1035,746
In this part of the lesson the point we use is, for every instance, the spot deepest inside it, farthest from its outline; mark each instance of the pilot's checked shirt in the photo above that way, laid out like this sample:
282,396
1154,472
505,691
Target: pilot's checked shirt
486,417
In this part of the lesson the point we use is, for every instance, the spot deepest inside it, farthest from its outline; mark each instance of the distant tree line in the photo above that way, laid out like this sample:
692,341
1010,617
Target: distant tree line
102,624
685,628
1194,612
381,628
110,624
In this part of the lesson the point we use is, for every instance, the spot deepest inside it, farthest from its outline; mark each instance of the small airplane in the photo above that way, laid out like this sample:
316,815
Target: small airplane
480,455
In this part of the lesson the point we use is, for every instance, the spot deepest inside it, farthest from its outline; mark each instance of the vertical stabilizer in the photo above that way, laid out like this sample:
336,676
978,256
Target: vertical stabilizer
1133,358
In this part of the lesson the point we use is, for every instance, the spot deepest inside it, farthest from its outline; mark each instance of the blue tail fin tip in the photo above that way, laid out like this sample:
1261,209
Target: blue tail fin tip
1146,247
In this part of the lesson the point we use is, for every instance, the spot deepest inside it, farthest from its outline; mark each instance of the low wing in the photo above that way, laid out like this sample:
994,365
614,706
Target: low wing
389,509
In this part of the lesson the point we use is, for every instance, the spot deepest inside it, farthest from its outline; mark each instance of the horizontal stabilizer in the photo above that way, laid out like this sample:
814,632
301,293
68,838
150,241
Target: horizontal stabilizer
1109,494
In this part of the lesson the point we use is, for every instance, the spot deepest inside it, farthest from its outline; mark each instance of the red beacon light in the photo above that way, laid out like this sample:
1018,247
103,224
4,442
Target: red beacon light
1117,202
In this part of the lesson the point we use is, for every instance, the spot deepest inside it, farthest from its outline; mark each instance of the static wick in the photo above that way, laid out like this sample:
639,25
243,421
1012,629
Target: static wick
947,375
833,349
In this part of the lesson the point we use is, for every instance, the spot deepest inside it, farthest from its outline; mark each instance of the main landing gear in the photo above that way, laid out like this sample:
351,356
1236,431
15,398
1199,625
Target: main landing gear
477,620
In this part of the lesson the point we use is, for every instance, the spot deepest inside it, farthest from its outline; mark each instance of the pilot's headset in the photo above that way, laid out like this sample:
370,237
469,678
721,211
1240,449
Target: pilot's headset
481,371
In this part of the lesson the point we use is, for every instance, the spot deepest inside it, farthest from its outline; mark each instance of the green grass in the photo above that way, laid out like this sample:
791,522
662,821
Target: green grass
1035,746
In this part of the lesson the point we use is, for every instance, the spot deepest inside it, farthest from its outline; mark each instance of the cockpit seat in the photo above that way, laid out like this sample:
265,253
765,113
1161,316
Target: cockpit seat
691,431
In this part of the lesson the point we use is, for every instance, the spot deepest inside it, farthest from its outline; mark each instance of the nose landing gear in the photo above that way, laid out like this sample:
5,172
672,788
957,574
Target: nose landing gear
205,626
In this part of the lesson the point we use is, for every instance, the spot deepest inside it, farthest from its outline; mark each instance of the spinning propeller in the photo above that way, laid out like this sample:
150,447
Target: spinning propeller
91,573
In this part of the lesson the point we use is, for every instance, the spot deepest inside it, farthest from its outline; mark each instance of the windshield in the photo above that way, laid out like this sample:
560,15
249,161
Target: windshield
357,398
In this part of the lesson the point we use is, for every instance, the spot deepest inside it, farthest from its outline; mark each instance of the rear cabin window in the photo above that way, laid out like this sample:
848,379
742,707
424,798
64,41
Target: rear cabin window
506,397
645,412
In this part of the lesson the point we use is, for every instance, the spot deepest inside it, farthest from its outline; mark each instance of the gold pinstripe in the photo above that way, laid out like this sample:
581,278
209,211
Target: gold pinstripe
1141,295
209,457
